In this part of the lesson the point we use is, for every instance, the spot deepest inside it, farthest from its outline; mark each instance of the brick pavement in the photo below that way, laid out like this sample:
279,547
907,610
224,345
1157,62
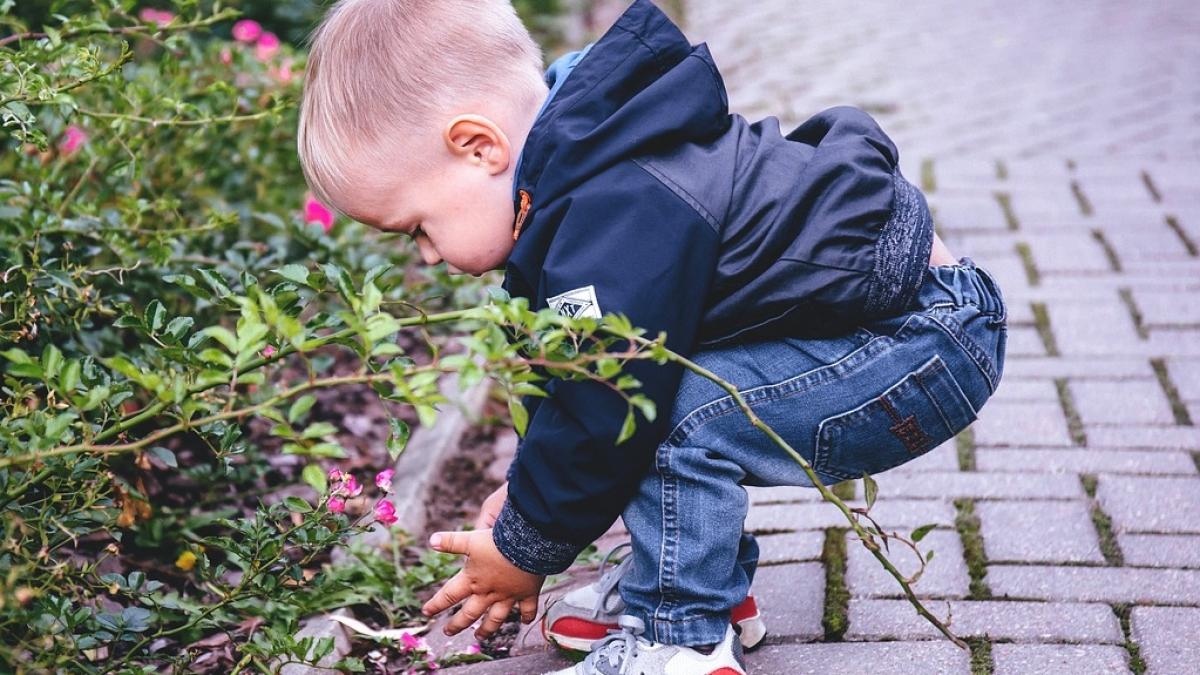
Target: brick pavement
1058,145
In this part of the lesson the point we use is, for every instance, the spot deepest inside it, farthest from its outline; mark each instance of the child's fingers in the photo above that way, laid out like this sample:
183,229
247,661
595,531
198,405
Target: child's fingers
529,607
471,610
496,616
450,542
448,595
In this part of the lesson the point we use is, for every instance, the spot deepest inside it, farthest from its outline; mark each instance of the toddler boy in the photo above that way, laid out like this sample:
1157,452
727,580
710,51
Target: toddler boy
801,268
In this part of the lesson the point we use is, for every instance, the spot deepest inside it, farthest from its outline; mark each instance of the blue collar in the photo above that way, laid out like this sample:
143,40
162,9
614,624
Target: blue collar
556,74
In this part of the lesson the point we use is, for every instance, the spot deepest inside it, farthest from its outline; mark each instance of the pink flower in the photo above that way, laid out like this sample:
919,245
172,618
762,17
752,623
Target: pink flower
351,487
337,505
474,649
160,17
335,475
383,479
267,46
282,74
268,352
408,641
385,513
226,56
433,665
316,212
247,30
72,139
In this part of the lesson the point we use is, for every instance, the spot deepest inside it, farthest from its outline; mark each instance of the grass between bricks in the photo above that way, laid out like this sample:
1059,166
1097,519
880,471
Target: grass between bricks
1150,187
967,524
1196,458
1136,664
1109,252
836,618
1005,201
1085,206
1032,274
1139,321
1071,412
1041,321
964,442
1001,170
981,656
1109,547
1178,409
1192,249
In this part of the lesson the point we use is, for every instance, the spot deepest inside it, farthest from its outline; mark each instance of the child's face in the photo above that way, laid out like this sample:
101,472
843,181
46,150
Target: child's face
458,208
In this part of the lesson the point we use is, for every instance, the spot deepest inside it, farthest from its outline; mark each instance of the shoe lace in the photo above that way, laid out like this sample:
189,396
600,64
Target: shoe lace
620,645
610,578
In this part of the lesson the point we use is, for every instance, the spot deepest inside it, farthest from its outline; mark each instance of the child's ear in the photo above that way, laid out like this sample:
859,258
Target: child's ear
477,139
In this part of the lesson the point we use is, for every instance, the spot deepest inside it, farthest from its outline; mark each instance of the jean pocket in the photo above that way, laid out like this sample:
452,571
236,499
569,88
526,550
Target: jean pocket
920,412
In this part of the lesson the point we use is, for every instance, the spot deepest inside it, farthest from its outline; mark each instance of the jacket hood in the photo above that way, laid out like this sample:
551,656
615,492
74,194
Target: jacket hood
641,87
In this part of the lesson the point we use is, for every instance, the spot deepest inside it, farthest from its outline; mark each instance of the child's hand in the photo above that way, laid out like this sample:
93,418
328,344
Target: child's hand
490,511
488,583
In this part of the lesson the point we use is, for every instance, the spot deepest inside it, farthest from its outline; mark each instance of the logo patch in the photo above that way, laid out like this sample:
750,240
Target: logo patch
577,304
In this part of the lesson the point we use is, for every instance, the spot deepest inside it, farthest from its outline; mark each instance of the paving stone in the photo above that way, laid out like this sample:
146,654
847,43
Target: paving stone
1021,424
543,662
1017,659
942,458
945,576
1160,550
1166,309
1076,329
1024,391
1182,438
890,513
1130,402
979,485
1023,341
850,658
1167,637
795,547
1000,620
1145,504
1077,368
1038,531
1095,584
1085,460
792,599
782,494
1068,252
1185,374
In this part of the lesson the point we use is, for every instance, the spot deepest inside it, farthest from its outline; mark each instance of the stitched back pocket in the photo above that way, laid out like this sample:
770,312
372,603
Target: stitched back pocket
923,410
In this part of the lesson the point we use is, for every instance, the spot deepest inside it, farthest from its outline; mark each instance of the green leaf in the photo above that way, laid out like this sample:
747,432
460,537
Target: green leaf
627,428
919,533
870,489
68,380
216,282
17,356
294,273
165,456
519,415
179,326
297,505
426,414
314,475
52,360
155,316
301,406
398,436
318,430
222,335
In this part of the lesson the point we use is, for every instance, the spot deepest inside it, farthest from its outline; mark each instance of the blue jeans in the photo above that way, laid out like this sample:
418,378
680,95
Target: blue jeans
861,403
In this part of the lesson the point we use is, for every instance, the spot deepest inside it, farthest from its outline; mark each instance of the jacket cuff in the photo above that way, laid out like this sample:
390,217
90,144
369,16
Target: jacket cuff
901,252
527,548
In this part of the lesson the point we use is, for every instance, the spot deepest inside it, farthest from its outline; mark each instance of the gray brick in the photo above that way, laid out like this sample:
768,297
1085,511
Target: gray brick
1167,637
1021,424
945,576
1068,252
848,658
792,599
1000,620
542,662
1038,531
1185,373
1075,367
1076,328
979,485
942,458
1151,504
1086,460
892,513
1182,438
1161,550
1166,309
1129,402
1024,391
777,548
1095,584
783,494
1016,659
1023,341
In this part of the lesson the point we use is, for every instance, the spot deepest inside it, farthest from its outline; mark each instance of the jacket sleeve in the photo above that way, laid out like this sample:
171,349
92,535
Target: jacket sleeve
630,245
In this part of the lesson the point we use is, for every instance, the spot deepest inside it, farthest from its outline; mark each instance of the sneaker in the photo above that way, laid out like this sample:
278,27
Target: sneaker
587,614
625,652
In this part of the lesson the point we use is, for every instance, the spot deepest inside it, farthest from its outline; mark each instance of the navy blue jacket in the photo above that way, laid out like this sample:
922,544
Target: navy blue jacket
647,198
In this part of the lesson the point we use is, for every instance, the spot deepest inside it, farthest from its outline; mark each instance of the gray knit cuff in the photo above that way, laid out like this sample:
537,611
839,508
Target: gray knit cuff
527,548
902,251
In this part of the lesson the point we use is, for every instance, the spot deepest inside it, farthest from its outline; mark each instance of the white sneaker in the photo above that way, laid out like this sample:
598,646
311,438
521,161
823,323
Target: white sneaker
587,614
625,652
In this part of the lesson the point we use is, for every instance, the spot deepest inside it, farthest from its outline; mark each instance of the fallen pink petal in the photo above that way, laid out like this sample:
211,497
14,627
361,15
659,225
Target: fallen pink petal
247,30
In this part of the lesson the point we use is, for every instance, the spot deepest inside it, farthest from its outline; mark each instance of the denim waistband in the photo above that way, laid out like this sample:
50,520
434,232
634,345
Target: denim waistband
962,284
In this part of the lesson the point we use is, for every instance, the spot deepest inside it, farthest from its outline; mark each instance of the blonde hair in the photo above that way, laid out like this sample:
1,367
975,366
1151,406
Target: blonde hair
382,70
